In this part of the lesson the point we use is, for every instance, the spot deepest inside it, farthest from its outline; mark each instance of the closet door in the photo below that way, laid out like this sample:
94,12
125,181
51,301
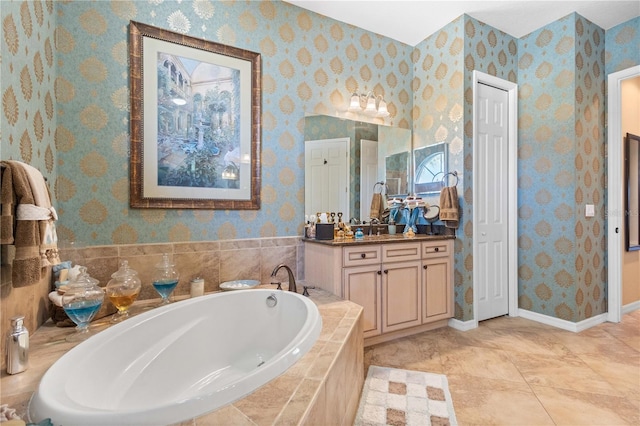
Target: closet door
326,176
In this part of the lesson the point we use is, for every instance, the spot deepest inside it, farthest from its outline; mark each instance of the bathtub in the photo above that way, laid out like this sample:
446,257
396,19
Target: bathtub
179,361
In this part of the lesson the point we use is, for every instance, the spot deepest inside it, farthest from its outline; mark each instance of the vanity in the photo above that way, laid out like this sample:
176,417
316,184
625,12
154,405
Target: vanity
405,285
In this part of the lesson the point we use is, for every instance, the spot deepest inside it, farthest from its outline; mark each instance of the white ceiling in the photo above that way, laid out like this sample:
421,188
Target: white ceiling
412,21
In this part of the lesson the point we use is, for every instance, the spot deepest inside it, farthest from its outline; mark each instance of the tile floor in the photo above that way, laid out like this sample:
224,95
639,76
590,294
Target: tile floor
512,371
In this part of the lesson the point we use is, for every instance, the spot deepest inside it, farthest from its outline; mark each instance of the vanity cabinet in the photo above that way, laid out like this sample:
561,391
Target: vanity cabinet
404,287
437,290
362,286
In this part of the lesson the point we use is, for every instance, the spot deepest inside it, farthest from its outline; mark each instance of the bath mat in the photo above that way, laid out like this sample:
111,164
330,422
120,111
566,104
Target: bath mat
404,397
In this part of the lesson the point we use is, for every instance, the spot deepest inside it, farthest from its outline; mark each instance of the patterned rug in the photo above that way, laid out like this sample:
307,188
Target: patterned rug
403,397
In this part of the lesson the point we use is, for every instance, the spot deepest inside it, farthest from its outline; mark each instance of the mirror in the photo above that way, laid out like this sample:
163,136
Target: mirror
367,149
431,168
632,193
396,174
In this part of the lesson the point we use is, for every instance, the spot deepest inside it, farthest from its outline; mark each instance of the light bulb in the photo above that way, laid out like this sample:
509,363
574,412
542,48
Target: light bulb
382,109
354,105
371,106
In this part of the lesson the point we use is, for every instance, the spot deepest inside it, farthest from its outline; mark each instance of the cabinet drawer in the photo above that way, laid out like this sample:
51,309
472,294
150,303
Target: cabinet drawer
437,249
400,252
363,255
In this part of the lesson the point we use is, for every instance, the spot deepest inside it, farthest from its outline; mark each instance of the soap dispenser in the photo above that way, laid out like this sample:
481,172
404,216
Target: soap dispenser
359,234
17,346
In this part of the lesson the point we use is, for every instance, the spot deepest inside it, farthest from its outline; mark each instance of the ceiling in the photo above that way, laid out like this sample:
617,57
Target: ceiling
412,21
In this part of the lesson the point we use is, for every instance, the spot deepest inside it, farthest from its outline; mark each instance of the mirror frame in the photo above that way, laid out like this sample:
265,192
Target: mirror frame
632,192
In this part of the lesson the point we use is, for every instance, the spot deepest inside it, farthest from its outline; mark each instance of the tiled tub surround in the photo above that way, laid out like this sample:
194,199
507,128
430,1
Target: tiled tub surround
323,387
215,261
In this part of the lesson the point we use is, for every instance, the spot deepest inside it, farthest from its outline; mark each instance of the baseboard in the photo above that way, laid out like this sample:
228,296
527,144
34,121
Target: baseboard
633,306
462,325
563,324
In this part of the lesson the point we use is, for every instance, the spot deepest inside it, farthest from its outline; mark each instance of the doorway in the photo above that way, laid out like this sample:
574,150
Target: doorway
495,285
326,179
368,175
615,208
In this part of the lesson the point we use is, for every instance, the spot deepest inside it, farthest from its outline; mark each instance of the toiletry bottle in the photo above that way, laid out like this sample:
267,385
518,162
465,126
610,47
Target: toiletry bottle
197,287
17,346
392,227
359,234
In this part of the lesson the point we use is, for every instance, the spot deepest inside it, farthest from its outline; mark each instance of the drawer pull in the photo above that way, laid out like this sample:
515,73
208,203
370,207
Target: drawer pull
437,249
424,266
363,255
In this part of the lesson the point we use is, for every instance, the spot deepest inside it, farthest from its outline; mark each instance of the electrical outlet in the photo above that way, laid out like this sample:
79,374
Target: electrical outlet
590,210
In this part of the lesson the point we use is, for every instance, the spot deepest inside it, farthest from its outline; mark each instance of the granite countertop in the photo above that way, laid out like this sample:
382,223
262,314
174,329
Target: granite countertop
383,238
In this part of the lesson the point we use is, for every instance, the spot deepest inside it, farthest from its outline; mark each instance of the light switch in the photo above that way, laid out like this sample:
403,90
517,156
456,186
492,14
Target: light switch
590,211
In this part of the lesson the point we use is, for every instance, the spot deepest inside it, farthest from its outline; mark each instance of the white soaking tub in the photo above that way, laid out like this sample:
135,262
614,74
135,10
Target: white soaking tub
178,362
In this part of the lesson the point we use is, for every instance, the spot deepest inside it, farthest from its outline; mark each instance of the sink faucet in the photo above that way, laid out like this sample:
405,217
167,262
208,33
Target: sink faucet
292,280
371,223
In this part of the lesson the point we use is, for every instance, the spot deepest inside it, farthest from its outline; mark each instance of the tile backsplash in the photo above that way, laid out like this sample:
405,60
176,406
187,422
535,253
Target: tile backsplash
215,261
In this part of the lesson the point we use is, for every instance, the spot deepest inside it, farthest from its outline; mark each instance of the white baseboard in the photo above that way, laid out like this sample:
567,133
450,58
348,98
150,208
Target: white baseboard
631,307
563,324
462,325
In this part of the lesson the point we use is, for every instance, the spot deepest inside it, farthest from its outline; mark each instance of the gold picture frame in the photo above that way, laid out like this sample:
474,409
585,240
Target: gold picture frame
195,122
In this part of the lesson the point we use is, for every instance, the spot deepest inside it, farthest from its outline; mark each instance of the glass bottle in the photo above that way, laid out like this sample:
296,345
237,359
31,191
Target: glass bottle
123,289
81,302
165,279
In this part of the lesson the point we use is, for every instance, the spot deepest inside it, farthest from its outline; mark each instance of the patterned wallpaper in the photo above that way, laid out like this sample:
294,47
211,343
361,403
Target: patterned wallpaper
65,110
310,64
561,168
443,111
28,90
622,46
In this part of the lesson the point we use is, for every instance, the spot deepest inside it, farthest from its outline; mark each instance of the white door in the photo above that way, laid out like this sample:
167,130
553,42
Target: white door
368,174
326,183
492,202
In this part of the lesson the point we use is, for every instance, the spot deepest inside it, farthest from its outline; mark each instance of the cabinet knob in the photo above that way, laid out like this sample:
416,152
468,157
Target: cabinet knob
424,266
379,272
436,249
386,271
363,255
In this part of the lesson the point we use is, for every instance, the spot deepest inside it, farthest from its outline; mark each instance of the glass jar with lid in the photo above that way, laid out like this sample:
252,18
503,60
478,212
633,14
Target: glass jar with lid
165,279
123,289
81,302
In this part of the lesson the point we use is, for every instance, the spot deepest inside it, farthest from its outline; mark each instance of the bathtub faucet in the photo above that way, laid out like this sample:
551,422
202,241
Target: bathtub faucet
292,280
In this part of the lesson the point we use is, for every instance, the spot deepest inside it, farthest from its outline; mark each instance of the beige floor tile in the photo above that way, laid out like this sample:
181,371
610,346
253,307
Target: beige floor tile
568,407
624,377
481,362
568,372
513,371
478,401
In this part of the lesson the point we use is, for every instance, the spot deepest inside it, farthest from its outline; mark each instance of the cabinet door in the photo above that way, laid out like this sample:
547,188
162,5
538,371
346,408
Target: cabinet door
437,292
400,295
362,286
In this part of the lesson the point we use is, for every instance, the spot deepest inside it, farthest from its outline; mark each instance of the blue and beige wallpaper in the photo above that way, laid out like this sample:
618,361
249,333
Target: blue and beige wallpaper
561,168
65,109
443,112
310,64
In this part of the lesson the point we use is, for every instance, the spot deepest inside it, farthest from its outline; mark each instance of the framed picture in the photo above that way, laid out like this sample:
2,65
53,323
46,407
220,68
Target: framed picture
195,122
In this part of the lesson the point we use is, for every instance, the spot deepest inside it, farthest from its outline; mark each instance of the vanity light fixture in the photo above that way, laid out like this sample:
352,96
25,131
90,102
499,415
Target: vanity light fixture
374,106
